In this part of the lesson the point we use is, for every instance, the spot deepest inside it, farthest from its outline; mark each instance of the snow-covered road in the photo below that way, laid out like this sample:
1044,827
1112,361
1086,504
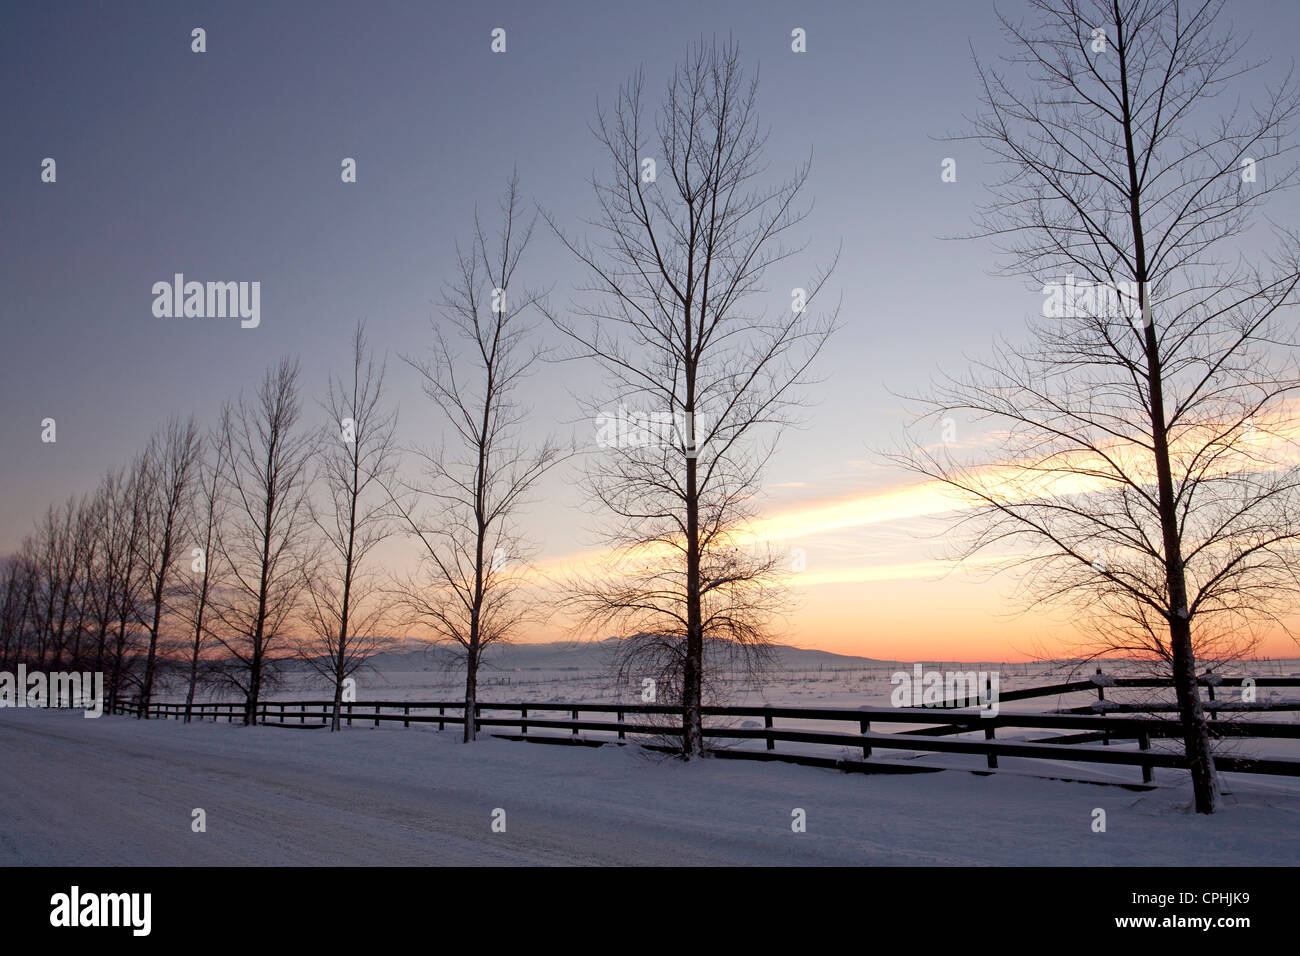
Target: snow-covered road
119,791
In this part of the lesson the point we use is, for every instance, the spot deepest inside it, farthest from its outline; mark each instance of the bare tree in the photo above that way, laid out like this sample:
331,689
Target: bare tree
1146,461
204,514
357,461
19,584
264,539
109,563
82,549
701,374
169,464
86,565
464,511
12,603
55,537
127,503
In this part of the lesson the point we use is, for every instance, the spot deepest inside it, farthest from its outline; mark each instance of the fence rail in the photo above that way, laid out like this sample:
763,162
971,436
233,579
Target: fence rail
936,730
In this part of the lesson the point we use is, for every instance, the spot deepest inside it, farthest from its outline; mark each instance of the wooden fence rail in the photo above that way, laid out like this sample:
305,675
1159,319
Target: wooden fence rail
934,730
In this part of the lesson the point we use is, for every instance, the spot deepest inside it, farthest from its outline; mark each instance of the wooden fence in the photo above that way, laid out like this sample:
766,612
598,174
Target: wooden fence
939,730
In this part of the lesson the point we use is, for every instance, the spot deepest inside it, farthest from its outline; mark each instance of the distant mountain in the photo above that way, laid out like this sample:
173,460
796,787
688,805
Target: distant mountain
580,656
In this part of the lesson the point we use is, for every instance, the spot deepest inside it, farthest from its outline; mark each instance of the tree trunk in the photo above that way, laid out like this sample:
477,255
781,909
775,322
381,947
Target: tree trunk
341,661
151,661
254,687
471,692
146,689
693,672
1196,732
194,676
115,679
692,681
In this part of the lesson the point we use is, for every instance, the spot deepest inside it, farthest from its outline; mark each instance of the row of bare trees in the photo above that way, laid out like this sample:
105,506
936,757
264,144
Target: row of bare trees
219,556
90,586
194,557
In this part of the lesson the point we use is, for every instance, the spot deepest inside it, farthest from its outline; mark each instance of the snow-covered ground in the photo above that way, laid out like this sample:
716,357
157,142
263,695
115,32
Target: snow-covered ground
536,673
120,791
572,672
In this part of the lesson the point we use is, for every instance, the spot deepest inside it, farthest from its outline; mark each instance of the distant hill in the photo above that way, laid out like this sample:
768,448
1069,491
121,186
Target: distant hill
580,656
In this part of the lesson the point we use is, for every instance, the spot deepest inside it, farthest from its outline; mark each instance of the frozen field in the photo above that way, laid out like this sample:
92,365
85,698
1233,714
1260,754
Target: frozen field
120,791
583,672
541,674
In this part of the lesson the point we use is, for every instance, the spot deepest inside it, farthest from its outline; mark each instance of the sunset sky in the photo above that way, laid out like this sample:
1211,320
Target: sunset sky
224,166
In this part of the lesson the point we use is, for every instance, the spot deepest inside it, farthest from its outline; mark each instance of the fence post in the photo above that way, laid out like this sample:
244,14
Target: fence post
990,734
376,715
575,720
621,735
523,720
767,723
1101,696
349,715
477,714
441,725
1214,711
1144,742
406,711
864,727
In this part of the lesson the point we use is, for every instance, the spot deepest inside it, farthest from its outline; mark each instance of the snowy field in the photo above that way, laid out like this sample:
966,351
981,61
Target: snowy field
119,791
540,673
561,673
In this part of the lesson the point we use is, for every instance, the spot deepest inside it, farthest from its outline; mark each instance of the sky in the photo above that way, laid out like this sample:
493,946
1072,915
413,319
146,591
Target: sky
225,166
